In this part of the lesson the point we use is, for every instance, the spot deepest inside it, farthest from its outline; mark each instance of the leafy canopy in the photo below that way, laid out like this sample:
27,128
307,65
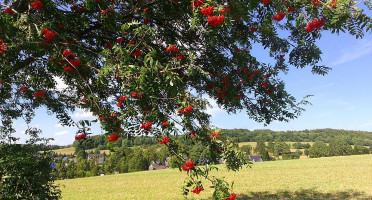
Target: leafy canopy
143,66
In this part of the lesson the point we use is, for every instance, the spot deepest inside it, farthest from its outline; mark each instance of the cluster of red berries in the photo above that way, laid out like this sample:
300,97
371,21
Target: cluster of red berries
175,49
266,1
23,89
186,110
252,29
214,21
197,3
113,138
193,135
221,94
164,124
333,3
68,54
39,93
172,48
121,100
81,136
74,62
316,2
137,53
165,140
146,126
37,5
136,95
188,165
315,24
197,190
206,11
180,57
3,47
215,135
49,35
231,197
279,16
9,11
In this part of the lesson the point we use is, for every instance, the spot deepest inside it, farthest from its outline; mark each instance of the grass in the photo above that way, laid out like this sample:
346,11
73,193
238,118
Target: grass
71,151
344,177
253,144
67,151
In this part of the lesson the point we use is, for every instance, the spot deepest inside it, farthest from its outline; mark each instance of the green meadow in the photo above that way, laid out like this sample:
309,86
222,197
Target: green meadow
344,177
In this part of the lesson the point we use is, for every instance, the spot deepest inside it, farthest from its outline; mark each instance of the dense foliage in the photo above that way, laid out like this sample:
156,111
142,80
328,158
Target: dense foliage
125,159
244,135
25,173
326,135
143,66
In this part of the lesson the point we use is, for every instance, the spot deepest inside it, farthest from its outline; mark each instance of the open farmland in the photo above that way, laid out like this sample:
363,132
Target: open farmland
344,177
71,151
253,144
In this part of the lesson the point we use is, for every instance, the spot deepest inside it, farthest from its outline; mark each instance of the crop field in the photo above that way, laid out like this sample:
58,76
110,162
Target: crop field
344,177
71,151
253,144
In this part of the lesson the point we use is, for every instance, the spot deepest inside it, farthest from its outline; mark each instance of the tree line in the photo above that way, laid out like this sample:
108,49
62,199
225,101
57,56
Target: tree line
129,156
362,138
125,159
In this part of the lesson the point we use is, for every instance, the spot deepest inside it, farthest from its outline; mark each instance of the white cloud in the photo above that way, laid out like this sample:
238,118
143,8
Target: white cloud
360,49
60,83
61,133
53,142
213,109
82,114
20,132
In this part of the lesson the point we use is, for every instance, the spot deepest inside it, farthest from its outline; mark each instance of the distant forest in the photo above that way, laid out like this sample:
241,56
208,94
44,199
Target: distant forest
362,138
144,153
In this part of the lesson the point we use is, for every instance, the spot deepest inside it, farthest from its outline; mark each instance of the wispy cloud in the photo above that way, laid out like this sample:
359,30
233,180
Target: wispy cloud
82,114
358,50
213,109
61,133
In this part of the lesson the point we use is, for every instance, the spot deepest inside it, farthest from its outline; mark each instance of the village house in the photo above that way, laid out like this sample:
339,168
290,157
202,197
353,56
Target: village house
255,158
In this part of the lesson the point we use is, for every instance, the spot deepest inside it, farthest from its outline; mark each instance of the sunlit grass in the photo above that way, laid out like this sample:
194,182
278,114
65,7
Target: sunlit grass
71,151
318,178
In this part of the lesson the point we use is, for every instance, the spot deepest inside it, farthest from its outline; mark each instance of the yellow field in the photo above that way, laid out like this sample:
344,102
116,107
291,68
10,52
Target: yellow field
67,151
344,177
253,144
71,151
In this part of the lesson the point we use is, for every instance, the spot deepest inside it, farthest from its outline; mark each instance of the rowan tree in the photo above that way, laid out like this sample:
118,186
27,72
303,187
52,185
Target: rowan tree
144,67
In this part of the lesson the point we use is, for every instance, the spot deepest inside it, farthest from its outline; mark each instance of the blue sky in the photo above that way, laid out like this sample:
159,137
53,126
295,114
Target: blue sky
342,99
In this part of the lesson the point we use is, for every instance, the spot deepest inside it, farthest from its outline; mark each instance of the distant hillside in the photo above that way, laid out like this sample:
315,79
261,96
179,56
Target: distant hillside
244,135
351,137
